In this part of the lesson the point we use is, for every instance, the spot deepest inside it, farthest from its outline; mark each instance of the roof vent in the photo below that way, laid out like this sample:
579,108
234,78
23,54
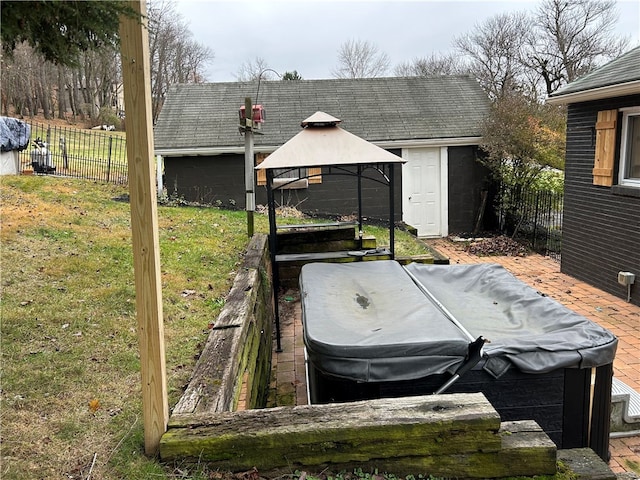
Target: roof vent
320,119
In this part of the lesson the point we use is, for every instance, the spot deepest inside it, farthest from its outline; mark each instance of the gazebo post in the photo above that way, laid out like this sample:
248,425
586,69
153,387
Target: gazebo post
391,210
273,239
359,170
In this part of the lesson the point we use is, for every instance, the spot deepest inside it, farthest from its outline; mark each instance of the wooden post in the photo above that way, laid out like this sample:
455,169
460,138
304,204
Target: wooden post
144,224
249,164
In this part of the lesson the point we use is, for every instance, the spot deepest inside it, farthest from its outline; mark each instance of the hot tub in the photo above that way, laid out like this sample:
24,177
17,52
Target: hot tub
378,329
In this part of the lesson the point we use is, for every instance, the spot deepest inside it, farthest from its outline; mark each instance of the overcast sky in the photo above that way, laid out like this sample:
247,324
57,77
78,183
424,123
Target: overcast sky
305,35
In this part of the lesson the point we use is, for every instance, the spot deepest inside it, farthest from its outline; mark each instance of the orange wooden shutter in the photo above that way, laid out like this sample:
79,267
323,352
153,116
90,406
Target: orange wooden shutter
315,175
605,147
261,174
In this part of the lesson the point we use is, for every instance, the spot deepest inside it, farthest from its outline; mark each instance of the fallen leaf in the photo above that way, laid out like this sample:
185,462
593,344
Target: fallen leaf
94,405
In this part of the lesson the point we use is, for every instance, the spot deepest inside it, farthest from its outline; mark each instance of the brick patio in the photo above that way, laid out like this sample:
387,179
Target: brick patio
542,273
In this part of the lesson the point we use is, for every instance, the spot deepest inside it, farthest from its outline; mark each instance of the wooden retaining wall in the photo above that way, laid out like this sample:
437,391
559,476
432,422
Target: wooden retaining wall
239,346
454,435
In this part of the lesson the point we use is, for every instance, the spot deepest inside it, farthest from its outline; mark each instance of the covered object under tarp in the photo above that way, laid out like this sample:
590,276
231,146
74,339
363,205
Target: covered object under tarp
379,329
14,137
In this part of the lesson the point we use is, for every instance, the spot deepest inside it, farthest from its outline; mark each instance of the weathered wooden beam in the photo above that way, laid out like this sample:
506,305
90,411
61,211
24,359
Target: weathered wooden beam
234,342
526,451
460,424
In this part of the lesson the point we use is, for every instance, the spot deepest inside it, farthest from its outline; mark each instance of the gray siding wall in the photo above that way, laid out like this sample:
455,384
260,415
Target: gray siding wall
219,180
601,225
467,179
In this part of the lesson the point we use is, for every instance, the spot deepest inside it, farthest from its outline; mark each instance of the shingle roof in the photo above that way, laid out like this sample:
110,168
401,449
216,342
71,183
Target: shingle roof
376,109
623,70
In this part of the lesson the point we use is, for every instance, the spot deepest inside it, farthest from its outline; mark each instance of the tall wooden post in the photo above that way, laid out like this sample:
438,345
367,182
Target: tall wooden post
144,224
249,165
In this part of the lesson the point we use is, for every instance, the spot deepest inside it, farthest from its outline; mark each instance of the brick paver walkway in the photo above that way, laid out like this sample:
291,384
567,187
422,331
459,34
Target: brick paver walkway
543,273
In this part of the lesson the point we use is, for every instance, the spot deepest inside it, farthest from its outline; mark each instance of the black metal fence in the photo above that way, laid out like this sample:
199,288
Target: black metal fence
534,217
70,152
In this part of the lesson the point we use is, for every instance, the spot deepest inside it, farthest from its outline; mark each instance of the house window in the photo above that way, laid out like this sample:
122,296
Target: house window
630,148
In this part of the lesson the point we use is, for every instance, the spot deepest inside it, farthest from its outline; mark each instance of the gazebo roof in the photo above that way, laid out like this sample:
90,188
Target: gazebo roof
322,143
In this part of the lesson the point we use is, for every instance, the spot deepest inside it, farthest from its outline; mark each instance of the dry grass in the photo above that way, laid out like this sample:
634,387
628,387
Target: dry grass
70,367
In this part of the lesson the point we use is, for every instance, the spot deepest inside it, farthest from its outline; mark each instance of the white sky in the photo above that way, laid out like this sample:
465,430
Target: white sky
305,35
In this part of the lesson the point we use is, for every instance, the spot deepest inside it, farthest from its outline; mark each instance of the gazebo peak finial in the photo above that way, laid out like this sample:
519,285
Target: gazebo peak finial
320,119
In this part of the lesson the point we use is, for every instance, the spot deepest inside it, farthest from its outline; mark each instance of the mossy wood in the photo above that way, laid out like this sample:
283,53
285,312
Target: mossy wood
317,238
452,435
239,342
302,244
526,452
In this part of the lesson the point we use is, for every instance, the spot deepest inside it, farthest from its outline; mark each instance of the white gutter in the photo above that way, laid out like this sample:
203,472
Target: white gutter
208,151
212,151
620,90
432,142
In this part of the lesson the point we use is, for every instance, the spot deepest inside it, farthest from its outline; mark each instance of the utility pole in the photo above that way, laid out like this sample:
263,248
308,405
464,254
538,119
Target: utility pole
249,178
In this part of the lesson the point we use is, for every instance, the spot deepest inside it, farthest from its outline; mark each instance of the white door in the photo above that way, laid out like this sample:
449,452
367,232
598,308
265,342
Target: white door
422,190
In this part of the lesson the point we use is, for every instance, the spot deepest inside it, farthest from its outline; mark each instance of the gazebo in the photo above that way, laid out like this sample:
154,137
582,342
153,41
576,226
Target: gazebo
323,146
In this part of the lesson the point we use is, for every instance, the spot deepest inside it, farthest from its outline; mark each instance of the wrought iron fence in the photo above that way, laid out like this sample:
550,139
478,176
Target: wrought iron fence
69,152
535,217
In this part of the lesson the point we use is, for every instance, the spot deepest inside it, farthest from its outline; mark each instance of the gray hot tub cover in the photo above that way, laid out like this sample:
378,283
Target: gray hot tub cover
526,329
369,321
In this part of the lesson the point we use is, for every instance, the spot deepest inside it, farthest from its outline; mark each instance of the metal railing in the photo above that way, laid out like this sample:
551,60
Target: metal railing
534,217
70,152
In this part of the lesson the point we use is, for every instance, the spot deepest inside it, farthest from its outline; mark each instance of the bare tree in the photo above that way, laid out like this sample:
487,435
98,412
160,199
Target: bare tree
571,38
494,50
360,59
18,80
175,56
255,69
435,64
96,80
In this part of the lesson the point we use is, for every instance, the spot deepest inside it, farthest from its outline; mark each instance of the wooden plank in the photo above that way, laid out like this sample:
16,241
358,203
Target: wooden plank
608,125
353,255
334,433
605,147
315,234
312,226
144,224
241,332
215,383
